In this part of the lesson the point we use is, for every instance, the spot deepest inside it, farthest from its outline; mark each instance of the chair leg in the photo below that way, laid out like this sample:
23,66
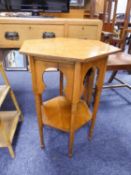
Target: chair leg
112,76
71,142
96,104
38,101
11,151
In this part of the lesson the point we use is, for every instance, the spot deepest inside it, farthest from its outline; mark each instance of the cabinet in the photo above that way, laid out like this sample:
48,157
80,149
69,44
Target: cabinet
33,28
27,32
82,31
8,119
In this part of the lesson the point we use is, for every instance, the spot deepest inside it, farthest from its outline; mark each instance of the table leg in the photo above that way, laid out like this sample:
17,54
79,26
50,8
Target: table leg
96,104
75,100
72,129
99,85
38,100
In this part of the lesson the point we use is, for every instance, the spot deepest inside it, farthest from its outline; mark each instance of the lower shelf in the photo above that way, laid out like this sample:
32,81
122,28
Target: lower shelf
9,120
57,113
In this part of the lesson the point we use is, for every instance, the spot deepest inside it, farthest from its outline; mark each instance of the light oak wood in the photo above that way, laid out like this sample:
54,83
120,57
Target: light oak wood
3,92
90,9
69,49
74,107
74,58
74,13
10,91
49,21
8,119
1,56
56,113
121,61
27,32
29,28
99,6
83,31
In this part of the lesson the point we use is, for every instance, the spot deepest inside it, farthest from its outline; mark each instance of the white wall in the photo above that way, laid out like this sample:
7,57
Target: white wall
121,8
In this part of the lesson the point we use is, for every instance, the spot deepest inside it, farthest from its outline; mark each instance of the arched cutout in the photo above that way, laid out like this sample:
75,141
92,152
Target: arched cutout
53,82
62,82
89,83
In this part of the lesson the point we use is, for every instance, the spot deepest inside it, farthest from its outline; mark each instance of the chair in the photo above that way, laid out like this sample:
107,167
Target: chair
108,33
90,9
8,119
122,60
116,62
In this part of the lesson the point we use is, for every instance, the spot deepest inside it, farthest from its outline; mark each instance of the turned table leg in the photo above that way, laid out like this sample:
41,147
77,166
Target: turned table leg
99,84
96,104
75,100
38,100
72,129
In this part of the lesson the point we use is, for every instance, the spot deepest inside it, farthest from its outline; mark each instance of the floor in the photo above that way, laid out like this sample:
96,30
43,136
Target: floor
109,152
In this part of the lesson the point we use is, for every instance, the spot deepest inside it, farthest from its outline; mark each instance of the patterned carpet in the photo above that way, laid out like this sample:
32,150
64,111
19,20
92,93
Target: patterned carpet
109,153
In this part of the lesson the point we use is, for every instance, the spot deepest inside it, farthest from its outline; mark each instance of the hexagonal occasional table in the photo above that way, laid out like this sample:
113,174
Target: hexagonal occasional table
80,61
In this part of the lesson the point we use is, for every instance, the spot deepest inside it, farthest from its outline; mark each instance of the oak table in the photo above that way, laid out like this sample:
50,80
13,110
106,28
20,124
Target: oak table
77,59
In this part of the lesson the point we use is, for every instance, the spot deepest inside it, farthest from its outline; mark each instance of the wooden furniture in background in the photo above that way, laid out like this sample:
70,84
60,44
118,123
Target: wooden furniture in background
115,37
90,8
126,24
109,17
117,62
99,6
74,13
32,28
74,58
8,119
120,61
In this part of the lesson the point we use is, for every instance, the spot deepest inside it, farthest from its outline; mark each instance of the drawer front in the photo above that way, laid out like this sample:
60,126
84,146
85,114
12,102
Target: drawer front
83,31
26,32
36,31
22,31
